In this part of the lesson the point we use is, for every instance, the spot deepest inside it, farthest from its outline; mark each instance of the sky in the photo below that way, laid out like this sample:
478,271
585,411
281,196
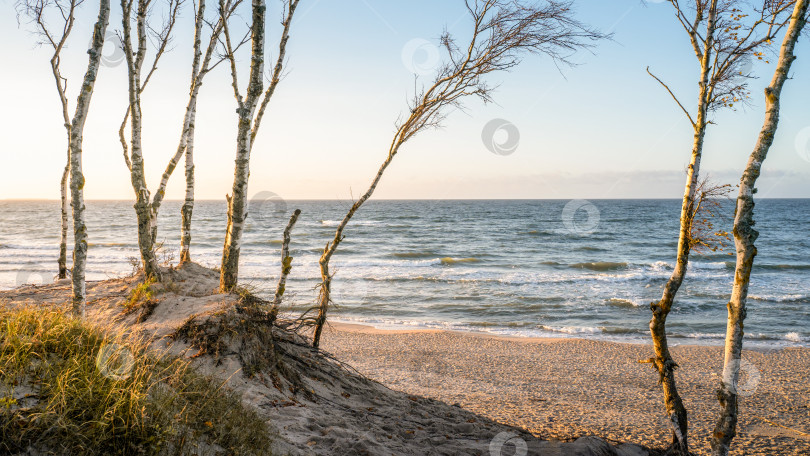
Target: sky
599,129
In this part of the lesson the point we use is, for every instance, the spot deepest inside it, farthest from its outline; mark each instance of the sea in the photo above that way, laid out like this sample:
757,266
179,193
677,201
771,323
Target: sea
523,268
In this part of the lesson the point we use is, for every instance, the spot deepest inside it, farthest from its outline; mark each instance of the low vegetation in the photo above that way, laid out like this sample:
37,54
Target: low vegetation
67,387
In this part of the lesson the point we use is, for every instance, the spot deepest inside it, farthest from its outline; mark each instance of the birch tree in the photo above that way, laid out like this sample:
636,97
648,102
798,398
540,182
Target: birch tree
135,58
202,64
745,235
36,11
503,32
724,36
250,109
74,126
76,175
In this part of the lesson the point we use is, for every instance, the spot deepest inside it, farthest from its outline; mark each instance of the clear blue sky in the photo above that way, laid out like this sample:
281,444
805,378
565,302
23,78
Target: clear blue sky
602,129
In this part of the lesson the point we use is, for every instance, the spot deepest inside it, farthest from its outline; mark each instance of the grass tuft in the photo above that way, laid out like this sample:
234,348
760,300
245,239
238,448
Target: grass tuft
67,387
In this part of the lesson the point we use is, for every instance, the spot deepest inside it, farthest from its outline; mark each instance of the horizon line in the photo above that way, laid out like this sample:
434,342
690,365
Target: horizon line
4,200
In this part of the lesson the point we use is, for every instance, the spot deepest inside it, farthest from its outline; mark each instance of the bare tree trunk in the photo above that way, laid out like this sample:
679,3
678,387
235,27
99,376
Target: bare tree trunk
199,68
188,204
187,135
745,235
61,88
286,266
65,201
249,122
237,201
143,208
663,360
237,206
324,297
146,216
76,176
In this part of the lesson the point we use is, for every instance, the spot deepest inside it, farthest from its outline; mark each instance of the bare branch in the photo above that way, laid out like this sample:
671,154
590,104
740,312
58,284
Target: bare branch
689,116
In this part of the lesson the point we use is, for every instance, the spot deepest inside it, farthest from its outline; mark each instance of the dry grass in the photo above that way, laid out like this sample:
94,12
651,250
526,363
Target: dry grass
70,388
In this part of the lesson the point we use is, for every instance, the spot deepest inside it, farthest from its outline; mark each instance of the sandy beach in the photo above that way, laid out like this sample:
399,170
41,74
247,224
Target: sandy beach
565,388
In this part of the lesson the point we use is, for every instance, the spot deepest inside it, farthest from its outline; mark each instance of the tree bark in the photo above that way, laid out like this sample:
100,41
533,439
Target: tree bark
187,135
286,266
65,201
143,207
61,88
324,297
237,202
745,235
76,175
663,360
188,204
249,122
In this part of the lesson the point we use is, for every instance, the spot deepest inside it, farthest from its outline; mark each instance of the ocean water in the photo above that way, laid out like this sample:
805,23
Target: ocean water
523,268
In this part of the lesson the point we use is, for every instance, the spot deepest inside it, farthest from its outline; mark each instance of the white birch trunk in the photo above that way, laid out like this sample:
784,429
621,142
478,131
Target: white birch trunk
286,266
237,202
143,207
199,68
663,360
188,205
61,86
745,235
76,175
249,122
65,202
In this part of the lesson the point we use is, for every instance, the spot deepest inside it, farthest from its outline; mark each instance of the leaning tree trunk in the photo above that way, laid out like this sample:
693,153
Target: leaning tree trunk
237,201
76,175
663,360
745,235
187,130
199,68
63,187
325,297
286,266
